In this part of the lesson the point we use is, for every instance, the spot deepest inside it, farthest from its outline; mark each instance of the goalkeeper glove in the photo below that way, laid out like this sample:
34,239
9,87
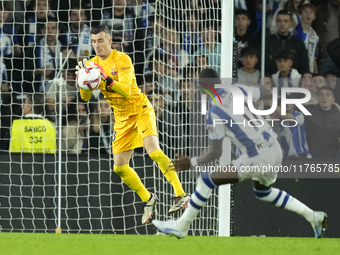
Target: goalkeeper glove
81,65
85,95
108,80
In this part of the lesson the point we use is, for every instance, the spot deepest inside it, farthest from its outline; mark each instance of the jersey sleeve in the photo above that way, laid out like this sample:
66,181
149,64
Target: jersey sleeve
85,95
125,76
215,128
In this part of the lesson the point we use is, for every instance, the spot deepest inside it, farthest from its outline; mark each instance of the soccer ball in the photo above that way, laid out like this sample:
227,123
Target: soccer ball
88,79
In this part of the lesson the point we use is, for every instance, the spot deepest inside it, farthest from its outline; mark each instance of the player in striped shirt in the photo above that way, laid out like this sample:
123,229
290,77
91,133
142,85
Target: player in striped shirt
259,148
135,124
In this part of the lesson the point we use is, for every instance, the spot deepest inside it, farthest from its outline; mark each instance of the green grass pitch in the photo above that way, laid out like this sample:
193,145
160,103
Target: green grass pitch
68,244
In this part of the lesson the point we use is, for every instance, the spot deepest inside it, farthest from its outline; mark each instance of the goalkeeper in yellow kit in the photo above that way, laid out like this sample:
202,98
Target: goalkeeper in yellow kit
135,119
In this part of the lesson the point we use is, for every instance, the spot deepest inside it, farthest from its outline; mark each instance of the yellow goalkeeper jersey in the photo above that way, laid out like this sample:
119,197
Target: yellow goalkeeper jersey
126,98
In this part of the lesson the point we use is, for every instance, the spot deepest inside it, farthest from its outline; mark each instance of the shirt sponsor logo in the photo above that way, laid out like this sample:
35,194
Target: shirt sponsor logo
114,71
35,129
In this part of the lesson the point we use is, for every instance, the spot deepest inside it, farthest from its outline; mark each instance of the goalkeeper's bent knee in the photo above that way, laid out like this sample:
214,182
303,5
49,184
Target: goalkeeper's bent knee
132,180
121,170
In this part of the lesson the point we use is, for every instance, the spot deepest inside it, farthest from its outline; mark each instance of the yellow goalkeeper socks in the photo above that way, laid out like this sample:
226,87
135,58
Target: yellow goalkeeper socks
131,179
163,162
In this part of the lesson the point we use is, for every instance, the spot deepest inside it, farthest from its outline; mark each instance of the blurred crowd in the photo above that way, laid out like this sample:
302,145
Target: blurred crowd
168,50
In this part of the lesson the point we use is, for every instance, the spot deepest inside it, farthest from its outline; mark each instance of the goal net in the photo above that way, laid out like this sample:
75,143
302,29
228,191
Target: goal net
169,43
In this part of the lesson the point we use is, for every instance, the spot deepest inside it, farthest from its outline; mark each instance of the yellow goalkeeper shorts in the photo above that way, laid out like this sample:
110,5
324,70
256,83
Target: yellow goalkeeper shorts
129,133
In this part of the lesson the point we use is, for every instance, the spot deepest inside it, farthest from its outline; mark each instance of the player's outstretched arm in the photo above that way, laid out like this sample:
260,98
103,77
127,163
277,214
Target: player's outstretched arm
184,163
125,77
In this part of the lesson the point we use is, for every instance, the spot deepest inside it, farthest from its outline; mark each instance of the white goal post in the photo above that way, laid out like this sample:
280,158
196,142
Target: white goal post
227,33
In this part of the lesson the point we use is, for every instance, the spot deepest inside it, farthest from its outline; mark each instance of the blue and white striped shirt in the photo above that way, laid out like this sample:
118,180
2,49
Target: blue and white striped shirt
249,132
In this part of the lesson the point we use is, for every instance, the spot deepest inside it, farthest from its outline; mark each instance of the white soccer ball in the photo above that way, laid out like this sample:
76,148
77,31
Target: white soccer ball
88,79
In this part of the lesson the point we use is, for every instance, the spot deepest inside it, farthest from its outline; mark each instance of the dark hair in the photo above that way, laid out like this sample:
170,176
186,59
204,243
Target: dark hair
249,51
208,24
193,12
201,56
302,78
267,76
75,5
148,77
80,5
305,6
37,102
181,81
328,89
116,40
72,109
318,74
332,72
151,18
101,28
52,18
209,73
155,87
289,5
71,65
284,54
242,12
307,72
4,6
285,12
189,70
156,91
158,56
209,76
